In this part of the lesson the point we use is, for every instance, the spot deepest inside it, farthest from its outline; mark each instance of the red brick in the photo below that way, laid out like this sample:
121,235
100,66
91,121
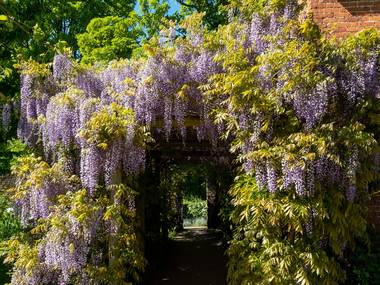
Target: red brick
344,17
374,211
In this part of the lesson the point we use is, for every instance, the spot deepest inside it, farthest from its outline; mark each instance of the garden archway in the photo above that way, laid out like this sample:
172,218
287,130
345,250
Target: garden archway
303,112
177,150
194,255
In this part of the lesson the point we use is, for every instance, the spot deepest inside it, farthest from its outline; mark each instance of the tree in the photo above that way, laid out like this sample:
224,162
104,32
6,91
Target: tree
109,38
33,27
48,22
214,15
153,15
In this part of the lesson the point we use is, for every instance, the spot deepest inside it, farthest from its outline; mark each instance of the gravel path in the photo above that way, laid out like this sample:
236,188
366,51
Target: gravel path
194,257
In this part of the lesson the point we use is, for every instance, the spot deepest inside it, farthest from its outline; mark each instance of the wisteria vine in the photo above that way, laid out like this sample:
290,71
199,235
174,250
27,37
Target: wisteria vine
91,123
299,124
302,110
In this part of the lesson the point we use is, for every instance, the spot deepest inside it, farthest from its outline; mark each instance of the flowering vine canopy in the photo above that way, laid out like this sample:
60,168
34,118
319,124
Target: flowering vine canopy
301,113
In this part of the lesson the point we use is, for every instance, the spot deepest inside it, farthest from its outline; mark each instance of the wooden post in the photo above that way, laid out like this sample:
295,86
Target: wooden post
212,203
179,211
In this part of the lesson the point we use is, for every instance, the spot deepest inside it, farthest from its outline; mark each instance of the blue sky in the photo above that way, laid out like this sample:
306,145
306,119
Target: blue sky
174,6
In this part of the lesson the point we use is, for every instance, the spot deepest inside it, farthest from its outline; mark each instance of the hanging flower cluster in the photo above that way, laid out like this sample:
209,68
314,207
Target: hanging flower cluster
302,111
63,110
72,238
289,85
91,123
6,113
37,187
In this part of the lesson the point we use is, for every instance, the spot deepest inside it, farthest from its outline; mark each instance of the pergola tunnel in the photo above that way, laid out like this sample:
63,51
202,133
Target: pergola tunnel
191,197
187,191
184,229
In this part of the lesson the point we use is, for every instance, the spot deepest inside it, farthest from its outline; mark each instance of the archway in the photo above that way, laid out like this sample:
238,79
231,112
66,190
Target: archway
300,132
192,255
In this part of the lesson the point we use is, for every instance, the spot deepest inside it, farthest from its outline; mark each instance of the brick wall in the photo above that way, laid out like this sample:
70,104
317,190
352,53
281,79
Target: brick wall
374,211
343,17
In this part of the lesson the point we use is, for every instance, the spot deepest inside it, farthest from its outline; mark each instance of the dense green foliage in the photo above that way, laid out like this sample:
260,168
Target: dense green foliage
9,151
154,16
271,245
33,28
184,194
194,209
9,226
365,263
213,10
109,38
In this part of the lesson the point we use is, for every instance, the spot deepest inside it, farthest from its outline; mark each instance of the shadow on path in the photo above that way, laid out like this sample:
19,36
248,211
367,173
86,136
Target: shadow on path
194,257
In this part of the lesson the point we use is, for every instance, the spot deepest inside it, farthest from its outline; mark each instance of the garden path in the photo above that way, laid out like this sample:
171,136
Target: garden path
194,257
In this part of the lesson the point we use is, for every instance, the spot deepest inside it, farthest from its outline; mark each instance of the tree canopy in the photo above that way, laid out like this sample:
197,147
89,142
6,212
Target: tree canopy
109,38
